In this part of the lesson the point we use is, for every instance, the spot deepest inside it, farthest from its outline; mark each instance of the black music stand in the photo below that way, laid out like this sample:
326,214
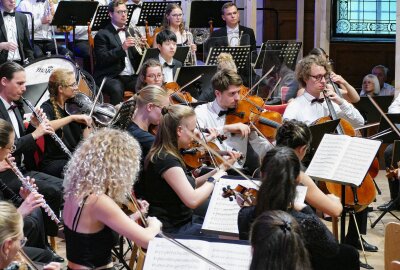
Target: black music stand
101,18
288,52
73,13
153,13
385,132
150,53
186,74
369,111
204,13
239,54
181,53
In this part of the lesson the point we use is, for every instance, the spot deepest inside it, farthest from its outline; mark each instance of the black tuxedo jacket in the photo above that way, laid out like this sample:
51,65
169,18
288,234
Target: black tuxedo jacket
24,45
222,32
25,144
177,64
110,57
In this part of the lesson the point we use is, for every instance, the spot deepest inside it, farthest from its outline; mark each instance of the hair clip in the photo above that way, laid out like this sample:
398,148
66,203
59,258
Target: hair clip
286,226
164,110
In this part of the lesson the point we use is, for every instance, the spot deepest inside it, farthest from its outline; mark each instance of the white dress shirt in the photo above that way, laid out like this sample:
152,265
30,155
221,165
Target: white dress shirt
167,71
128,70
135,18
11,30
207,116
395,106
303,110
233,36
38,10
13,117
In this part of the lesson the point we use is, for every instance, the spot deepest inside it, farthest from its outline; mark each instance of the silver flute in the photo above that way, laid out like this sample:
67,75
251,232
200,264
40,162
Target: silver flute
53,135
32,189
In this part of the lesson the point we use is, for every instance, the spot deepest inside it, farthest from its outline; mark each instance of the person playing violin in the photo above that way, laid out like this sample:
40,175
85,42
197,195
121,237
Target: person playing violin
280,172
312,72
227,84
149,102
100,176
171,191
151,72
70,128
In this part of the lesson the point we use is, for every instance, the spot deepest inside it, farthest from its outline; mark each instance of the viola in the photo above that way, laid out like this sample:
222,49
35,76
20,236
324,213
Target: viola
103,114
248,196
176,95
243,109
267,123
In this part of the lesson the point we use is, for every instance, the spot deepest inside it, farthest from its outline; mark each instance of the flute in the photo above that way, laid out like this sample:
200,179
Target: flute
53,135
31,188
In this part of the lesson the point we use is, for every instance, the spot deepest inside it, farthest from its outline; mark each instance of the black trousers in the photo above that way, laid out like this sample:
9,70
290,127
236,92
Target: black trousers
362,222
38,254
115,87
347,258
54,167
394,185
49,186
81,49
41,47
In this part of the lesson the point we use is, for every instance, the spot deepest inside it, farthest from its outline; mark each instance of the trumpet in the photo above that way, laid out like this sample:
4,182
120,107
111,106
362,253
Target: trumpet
140,45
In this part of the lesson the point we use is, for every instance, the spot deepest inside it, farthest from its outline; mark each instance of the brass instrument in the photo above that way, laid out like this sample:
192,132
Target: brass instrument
191,58
140,45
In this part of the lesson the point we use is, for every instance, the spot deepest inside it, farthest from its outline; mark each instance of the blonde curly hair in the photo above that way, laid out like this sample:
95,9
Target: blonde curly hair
107,162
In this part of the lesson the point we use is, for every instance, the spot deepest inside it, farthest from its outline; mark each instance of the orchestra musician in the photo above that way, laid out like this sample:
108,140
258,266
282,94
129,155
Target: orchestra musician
280,172
149,102
14,35
100,176
27,203
171,191
151,72
12,86
226,84
12,236
166,44
115,54
70,128
312,73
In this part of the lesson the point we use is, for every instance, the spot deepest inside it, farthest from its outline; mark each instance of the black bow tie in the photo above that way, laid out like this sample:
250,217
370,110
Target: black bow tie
168,65
12,107
139,5
12,14
221,113
38,1
121,29
319,100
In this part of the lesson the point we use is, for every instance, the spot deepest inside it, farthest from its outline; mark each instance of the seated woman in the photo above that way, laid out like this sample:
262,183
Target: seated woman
170,189
12,238
99,176
273,234
69,128
280,172
150,73
370,86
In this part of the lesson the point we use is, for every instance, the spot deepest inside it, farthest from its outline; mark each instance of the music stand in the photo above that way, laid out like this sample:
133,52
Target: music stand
148,54
181,53
369,111
101,18
153,13
206,12
240,55
289,50
73,13
385,132
186,74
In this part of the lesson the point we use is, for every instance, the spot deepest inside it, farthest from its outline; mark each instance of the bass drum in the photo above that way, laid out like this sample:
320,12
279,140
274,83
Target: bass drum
38,73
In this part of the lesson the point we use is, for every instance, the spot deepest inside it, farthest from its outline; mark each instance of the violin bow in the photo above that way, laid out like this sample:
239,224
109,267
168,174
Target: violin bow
97,96
273,90
393,126
258,82
186,85
172,240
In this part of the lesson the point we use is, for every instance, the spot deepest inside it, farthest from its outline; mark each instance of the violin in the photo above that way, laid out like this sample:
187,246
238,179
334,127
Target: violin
103,114
243,109
196,155
248,196
220,138
267,123
176,95
150,37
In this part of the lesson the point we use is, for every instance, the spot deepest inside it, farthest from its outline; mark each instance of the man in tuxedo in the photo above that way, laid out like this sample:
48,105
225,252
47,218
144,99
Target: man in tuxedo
12,86
116,57
166,44
14,34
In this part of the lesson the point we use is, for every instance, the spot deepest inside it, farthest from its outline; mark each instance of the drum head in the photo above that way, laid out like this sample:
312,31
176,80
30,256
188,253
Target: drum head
38,74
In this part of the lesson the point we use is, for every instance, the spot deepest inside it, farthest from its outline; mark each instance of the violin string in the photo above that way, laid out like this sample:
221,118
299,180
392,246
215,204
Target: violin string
172,240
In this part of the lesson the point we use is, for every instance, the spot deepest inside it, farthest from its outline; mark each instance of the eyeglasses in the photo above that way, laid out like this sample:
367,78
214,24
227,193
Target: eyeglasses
318,78
22,241
119,12
155,76
177,15
71,85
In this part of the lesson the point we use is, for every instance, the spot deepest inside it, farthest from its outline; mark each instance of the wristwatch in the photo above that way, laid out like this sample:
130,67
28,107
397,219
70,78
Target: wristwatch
211,180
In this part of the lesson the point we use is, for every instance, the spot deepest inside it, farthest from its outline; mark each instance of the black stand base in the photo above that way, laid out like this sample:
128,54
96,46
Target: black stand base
389,210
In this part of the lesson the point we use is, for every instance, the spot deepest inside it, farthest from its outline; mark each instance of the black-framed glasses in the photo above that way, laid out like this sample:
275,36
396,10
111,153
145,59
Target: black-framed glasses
120,12
177,15
318,78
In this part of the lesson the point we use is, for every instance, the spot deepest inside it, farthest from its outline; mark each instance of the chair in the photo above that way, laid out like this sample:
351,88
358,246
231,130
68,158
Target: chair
392,239
276,108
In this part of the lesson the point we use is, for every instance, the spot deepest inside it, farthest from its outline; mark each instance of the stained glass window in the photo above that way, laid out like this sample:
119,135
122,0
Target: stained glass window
364,18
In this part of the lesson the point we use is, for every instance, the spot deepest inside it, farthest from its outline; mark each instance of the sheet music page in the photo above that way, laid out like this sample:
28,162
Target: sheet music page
165,255
356,160
327,156
222,214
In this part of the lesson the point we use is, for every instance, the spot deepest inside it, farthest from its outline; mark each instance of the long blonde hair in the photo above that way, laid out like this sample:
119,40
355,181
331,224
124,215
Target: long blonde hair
107,162
11,223
166,140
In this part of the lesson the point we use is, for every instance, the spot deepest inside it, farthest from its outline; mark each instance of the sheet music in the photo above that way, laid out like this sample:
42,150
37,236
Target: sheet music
222,214
165,255
344,159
